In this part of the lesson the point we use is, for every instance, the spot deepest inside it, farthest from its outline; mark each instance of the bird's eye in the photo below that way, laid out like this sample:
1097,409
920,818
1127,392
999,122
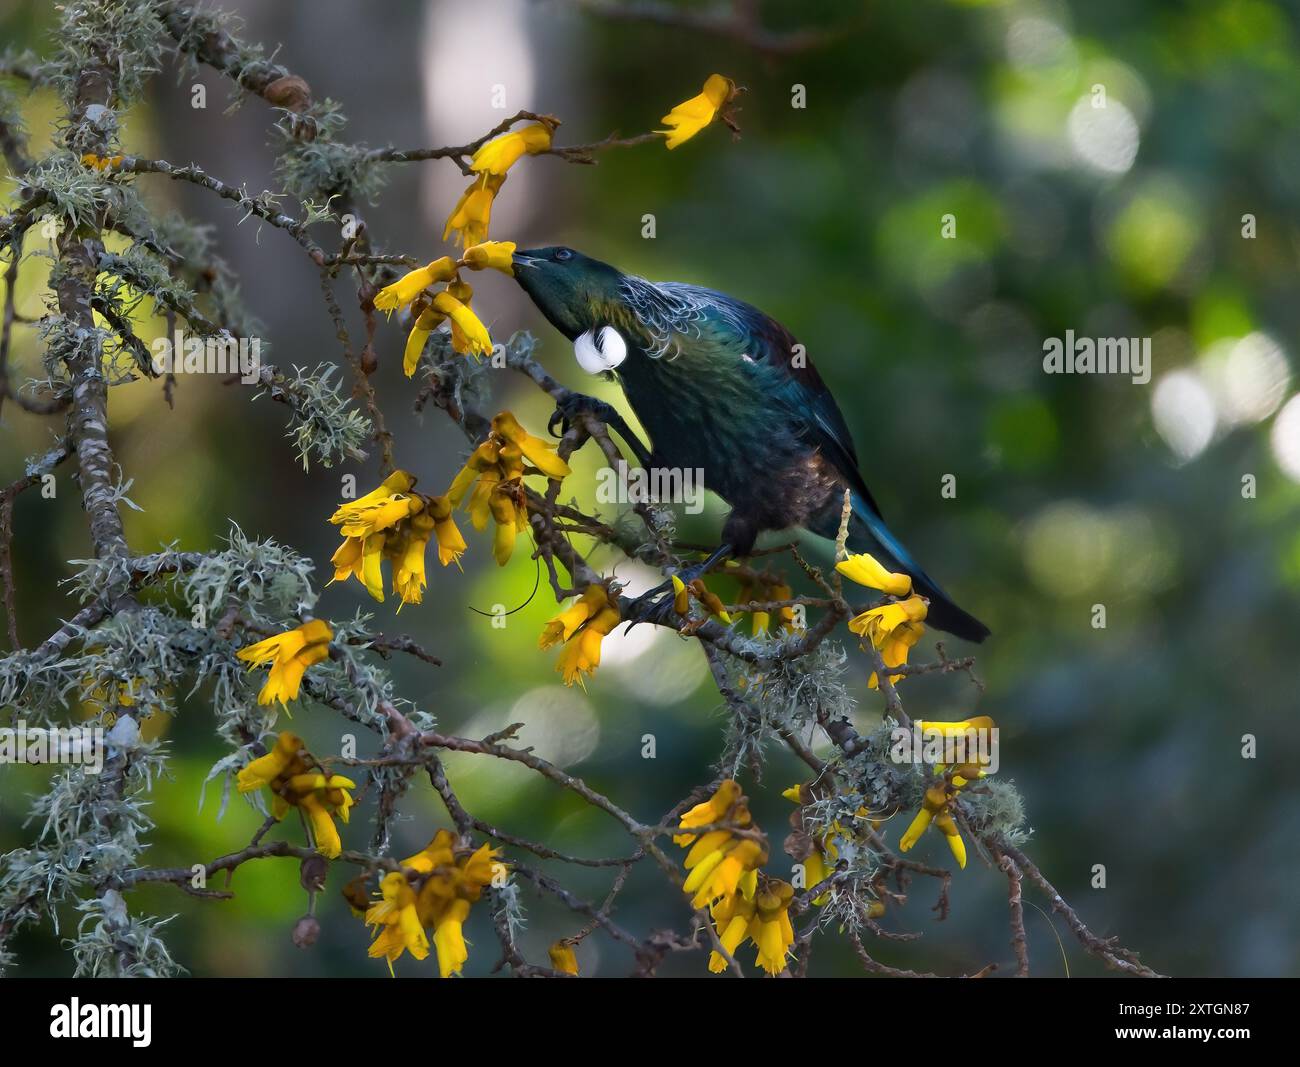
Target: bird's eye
563,253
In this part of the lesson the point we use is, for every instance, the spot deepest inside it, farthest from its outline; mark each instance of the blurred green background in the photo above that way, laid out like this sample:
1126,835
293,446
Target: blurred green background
1072,491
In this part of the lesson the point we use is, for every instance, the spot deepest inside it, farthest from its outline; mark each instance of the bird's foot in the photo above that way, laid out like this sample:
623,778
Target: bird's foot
575,405
657,605
653,606
568,410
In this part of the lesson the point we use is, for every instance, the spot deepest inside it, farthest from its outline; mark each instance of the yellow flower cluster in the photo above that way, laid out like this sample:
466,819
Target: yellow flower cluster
725,878
490,485
290,654
392,523
469,219
584,624
763,918
294,783
468,224
892,628
433,892
691,116
395,524
429,310
936,805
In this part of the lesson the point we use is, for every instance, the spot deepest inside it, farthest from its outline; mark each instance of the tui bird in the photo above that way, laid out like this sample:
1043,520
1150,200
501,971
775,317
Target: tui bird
721,387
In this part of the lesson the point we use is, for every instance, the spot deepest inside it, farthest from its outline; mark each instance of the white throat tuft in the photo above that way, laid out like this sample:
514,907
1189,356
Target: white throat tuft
600,350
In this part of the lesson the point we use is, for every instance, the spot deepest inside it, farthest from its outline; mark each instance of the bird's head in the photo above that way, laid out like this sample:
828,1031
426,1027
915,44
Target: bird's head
570,289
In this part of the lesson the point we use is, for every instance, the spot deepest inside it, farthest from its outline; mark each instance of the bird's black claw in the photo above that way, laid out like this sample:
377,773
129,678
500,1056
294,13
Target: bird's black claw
575,404
653,606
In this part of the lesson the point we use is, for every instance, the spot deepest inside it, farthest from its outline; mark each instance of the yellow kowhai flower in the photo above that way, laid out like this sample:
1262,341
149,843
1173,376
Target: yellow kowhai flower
691,116
285,772
732,917
321,797
479,504
541,454
398,920
397,482
281,761
347,559
502,153
394,524
819,863
290,654
713,810
413,283
492,480
449,937
468,334
719,868
477,869
563,626
408,576
448,886
817,869
894,629
934,809
451,545
962,774
511,517
937,804
955,729
581,655
445,899
497,255
440,852
866,570
484,460
372,559
720,862
374,518
786,616
563,959
470,218
770,928
499,495
425,323
876,624
895,650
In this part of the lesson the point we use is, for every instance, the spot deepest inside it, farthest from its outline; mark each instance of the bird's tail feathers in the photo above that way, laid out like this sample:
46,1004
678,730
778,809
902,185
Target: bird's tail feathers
943,613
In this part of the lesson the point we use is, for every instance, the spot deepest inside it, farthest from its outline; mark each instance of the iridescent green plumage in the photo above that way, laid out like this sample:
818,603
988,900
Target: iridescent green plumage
725,389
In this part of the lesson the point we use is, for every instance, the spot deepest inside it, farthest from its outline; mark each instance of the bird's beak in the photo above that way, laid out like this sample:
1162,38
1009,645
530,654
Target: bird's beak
522,259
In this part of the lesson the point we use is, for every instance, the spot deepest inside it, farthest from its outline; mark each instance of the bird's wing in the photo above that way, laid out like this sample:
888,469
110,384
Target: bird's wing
761,345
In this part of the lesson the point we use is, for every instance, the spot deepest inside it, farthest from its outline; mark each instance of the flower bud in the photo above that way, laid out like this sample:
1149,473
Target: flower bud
305,931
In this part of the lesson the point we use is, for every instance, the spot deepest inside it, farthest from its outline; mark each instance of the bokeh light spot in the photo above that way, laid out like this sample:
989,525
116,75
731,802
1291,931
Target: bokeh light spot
1285,439
1184,413
1103,138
